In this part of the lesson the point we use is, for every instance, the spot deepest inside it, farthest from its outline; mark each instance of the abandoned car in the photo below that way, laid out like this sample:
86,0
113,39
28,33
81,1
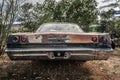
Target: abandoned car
59,41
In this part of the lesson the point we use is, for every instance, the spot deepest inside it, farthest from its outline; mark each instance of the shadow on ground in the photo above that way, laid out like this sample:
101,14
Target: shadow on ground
47,70
59,70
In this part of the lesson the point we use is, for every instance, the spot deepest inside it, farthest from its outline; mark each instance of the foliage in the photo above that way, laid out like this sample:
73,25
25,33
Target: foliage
107,15
26,15
8,10
106,23
109,23
82,12
106,26
117,28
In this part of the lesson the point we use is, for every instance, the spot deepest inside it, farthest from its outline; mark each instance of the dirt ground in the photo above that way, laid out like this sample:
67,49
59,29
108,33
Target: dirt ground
61,70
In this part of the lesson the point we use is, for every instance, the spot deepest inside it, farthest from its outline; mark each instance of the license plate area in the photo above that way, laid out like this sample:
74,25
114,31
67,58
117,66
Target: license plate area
59,54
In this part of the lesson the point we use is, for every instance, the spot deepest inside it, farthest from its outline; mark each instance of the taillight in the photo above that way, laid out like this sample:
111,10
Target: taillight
101,39
94,39
23,39
15,39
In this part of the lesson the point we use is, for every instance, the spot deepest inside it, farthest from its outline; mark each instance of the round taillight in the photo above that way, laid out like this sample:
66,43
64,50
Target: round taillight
94,39
23,38
15,39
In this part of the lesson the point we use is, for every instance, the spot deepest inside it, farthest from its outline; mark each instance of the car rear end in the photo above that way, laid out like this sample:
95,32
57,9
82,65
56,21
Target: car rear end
59,46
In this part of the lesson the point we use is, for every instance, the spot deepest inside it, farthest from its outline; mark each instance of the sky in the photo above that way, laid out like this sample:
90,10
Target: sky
34,1
98,1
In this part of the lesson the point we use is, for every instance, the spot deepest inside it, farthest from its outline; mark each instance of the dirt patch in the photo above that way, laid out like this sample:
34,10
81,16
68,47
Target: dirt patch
61,70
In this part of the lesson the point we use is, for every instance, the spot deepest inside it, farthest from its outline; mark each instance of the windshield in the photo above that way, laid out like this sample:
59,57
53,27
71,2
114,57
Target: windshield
62,27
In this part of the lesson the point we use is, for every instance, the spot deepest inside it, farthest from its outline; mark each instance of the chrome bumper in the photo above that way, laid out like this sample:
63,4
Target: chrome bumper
48,54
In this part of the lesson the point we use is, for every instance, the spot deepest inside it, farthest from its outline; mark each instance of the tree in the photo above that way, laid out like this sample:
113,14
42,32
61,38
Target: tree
107,21
8,10
26,16
107,15
75,11
82,12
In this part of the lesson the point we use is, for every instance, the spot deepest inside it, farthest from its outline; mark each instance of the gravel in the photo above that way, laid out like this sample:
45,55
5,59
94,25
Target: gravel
61,70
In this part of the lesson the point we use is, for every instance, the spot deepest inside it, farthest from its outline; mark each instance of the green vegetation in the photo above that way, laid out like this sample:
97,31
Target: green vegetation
82,12
8,11
109,24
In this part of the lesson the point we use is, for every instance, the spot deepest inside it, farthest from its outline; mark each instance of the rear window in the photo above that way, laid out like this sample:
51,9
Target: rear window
59,28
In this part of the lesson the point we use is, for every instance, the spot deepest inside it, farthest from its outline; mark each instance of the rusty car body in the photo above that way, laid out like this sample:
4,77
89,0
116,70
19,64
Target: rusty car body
59,41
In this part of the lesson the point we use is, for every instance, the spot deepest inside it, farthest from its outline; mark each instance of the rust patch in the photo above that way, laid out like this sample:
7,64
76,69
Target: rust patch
80,38
66,38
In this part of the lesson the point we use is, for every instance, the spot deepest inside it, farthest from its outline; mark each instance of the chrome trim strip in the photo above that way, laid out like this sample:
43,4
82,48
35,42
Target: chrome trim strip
55,49
80,54
45,54
30,54
50,56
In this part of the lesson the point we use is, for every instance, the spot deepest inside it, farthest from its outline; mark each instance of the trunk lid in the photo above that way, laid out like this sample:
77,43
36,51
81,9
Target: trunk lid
59,40
61,37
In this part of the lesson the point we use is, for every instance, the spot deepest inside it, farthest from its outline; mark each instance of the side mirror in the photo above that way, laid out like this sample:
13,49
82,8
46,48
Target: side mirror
0,51
113,45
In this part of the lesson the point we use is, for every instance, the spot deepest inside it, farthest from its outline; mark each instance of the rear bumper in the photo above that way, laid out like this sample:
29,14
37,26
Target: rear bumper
69,54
